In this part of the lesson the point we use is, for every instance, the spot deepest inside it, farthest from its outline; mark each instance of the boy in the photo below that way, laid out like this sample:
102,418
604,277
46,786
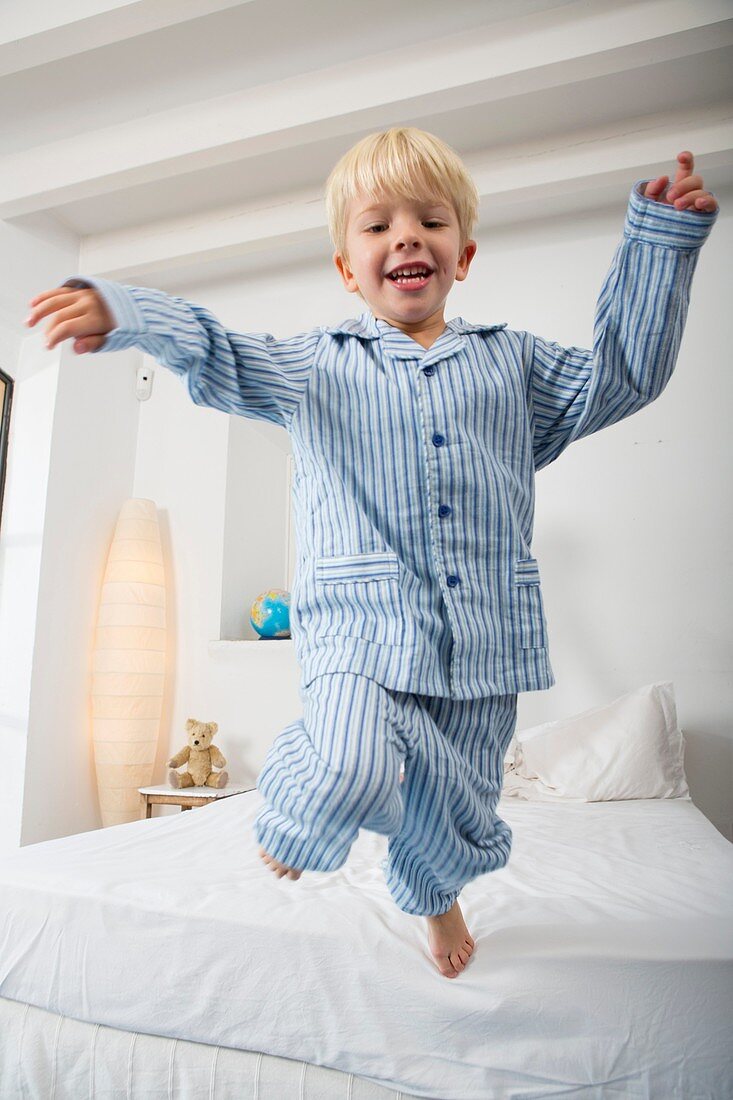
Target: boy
416,607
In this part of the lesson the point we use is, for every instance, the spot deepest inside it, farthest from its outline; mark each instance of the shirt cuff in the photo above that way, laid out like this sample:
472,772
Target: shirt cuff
658,223
126,313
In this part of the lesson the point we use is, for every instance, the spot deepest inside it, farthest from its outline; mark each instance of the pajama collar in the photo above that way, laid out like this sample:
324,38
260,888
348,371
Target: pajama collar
398,345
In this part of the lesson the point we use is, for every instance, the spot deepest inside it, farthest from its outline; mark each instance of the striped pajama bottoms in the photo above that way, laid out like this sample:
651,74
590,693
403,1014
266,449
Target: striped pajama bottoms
337,770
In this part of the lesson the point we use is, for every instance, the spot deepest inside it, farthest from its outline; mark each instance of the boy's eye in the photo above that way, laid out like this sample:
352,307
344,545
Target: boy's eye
430,223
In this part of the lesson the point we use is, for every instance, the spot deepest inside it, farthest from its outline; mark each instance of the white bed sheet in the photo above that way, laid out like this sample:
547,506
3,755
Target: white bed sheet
603,964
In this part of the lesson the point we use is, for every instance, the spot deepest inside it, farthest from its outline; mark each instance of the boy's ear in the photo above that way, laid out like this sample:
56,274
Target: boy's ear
345,272
464,260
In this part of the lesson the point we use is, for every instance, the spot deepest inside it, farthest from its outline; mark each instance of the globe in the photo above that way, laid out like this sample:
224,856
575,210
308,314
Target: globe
270,613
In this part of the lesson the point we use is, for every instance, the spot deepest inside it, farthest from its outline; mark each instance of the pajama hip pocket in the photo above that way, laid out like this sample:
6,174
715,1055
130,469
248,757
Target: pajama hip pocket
529,607
359,596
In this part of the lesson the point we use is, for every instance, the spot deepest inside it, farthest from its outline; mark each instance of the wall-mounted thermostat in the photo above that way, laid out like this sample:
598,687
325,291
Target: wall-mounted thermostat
144,383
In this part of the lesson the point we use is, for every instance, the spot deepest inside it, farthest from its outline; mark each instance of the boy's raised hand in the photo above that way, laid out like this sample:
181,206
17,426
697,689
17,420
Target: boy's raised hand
686,192
79,313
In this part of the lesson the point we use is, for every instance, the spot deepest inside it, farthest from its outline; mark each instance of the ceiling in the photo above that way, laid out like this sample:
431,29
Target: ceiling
188,140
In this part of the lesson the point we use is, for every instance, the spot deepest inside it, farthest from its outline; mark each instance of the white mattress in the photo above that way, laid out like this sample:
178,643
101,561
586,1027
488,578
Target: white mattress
44,1056
603,964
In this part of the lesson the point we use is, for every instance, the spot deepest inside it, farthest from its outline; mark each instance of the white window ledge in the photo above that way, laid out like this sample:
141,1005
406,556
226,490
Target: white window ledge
251,645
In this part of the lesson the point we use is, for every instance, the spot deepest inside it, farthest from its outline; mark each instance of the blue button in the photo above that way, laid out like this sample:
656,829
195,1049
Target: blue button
444,510
429,371
452,581
438,440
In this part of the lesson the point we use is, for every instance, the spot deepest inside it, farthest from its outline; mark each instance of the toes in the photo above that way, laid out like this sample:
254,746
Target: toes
445,966
279,868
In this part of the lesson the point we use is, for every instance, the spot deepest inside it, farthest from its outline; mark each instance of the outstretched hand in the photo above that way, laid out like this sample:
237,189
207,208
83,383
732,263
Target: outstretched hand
82,314
686,192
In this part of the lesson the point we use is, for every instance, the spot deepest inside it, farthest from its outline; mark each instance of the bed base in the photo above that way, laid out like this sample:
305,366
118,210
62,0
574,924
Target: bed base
44,1056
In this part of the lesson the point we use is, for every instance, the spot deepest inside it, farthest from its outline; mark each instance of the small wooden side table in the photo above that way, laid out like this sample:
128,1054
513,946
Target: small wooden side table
185,797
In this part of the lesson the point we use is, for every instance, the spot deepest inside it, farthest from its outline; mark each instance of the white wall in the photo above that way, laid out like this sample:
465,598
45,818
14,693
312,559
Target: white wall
35,257
71,457
258,497
633,524
184,453
629,532
92,442
21,538
182,466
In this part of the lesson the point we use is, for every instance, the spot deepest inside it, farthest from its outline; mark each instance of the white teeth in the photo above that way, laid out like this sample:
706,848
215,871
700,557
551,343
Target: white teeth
409,272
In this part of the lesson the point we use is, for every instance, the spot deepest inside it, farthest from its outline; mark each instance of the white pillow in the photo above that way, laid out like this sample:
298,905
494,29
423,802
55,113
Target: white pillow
630,748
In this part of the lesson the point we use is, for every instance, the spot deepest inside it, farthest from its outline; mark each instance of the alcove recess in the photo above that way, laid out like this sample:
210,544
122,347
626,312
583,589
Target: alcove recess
259,536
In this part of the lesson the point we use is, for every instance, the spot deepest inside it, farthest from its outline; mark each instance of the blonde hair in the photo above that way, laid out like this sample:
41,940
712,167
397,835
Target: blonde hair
402,161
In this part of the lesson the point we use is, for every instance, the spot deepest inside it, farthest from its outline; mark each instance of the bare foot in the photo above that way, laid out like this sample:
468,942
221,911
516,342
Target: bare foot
280,869
451,944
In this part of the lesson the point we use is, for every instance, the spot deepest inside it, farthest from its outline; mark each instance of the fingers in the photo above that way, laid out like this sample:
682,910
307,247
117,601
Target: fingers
48,302
73,313
654,188
67,322
89,343
684,180
50,293
696,200
686,163
687,192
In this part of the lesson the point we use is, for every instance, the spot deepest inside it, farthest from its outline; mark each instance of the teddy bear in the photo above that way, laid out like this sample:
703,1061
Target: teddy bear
200,756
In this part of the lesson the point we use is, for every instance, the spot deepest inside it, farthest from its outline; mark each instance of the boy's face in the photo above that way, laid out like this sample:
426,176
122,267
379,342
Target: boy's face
394,233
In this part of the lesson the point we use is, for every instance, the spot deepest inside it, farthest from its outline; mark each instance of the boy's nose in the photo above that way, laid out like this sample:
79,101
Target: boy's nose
408,239
408,234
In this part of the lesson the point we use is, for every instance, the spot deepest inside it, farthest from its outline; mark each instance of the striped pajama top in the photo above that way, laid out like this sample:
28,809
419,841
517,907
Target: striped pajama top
414,469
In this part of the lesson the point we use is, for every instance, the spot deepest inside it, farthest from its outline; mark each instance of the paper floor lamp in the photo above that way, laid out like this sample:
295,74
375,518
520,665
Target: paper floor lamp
128,668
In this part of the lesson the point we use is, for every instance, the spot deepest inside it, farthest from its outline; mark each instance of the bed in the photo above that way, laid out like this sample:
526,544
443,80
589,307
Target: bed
161,958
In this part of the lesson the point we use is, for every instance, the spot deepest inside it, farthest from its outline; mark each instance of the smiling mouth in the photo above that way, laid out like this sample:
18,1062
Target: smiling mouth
411,278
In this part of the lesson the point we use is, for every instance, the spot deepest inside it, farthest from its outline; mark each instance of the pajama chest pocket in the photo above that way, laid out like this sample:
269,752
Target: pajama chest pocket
359,597
530,611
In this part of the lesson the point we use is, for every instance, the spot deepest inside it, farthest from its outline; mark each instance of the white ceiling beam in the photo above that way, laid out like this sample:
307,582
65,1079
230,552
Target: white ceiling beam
513,182
549,49
36,32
